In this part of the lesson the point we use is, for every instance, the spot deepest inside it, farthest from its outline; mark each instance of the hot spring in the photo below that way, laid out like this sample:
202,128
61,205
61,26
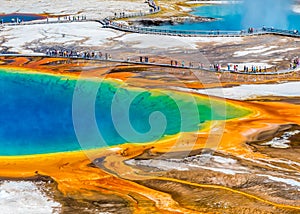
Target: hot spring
36,113
238,16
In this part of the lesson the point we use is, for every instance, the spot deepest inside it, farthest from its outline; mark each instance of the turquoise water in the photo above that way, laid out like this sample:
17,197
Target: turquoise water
36,113
238,17
13,17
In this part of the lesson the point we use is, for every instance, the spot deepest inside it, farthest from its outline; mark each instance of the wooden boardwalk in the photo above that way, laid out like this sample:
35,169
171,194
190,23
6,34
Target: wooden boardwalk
195,33
279,72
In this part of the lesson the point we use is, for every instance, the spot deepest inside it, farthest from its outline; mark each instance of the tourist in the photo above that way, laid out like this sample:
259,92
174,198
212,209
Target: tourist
201,65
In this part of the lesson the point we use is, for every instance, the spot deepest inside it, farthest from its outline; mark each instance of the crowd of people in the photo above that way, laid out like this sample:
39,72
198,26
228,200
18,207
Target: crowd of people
78,54
71,18
247,69
230,67
250,30
152,4
218,67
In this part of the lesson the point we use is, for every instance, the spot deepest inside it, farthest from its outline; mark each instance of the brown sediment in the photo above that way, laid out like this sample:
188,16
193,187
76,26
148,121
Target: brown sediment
101,174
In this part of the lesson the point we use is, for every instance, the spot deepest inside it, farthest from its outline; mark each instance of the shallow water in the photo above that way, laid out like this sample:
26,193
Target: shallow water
37,115
236,17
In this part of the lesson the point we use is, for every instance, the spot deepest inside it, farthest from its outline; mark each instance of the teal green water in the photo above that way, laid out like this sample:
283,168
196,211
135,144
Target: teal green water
37,114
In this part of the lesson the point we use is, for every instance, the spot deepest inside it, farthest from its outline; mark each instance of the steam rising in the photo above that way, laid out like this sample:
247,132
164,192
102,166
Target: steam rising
266,12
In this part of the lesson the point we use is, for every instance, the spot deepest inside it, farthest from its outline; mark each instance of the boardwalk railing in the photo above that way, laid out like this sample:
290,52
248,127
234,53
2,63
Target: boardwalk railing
206,33
293,33
104,59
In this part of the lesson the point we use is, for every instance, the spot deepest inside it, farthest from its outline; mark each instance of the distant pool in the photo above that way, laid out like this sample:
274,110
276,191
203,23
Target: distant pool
36,113
14,17
235,17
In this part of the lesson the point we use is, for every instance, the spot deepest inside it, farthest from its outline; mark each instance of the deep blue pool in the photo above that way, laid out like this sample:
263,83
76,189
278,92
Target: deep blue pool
14,17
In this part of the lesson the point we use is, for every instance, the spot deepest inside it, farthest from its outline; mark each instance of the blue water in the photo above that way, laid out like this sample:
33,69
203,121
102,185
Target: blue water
8,18
236,17
36,114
